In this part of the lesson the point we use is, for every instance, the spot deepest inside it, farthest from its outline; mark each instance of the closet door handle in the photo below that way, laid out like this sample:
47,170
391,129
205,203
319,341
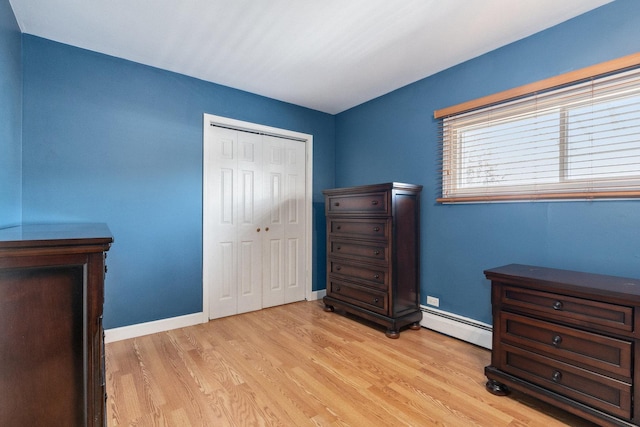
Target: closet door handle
258,230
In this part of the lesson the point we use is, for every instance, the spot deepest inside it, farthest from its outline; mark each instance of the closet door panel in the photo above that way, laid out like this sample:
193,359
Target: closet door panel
249,235
220,251
274,244
295,219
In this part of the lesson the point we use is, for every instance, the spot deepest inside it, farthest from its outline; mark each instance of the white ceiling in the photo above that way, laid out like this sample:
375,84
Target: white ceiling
328,55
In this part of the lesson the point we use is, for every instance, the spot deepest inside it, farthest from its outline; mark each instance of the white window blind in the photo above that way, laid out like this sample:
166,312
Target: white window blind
580,141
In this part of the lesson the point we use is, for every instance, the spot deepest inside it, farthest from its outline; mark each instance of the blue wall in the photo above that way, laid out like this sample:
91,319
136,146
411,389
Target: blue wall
108,140
10,117
394,138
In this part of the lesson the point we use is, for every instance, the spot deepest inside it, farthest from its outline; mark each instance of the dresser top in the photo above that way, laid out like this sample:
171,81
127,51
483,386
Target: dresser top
556,280
31,235
374,188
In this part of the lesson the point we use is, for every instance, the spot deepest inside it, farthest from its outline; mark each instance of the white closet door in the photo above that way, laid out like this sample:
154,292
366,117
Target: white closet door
295,220
220,249
249,222
274,245
254,221
284,243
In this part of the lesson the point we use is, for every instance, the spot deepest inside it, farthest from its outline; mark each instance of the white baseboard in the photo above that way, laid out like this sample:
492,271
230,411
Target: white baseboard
463,328
460,327
140,329
316,295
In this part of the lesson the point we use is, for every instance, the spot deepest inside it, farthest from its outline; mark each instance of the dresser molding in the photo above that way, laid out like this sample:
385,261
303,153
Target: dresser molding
568,338
373,246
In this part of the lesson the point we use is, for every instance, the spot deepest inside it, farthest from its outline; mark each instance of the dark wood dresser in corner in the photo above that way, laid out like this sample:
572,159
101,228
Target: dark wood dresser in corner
568,338
51,336
373,248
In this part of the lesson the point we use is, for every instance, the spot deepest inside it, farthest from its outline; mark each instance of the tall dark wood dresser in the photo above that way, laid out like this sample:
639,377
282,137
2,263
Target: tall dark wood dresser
568,338
373,247
51,336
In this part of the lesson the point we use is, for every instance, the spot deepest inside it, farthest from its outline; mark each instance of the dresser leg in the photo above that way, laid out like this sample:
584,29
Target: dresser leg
328,308
392,333
499,389
415,326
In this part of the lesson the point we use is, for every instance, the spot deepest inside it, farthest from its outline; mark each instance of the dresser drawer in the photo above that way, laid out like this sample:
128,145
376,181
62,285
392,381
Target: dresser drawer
584,386
603,354
569,310
360,250
371,203
358,295
360,228
372,275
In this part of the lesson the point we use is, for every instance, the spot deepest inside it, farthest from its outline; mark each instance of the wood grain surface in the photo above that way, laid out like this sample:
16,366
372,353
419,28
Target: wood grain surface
296,365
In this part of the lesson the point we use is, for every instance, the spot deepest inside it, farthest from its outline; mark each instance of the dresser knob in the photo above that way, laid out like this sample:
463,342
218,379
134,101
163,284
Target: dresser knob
339,227
376,300
336,204
376,252
376,276
338,267
258,230
337,288
338,248
557,305
376,228
374,202
557,376
557,340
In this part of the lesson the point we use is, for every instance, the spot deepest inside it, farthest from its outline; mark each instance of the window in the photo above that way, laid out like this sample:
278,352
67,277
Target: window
579,141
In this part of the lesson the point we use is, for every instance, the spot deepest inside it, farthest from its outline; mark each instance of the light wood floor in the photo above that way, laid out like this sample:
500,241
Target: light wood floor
296,365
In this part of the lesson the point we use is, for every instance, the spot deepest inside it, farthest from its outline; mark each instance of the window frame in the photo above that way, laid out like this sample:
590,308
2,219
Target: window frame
565,188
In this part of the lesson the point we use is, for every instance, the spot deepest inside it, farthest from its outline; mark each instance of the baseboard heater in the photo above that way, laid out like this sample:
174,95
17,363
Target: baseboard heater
463,328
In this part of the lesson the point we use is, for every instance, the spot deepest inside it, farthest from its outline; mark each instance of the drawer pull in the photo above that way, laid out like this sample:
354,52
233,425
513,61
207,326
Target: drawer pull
374,202
339,227
376,229
338,248
338,267
376,300
557,305
557,340
336,204
376,252
337,288
376,276
557,376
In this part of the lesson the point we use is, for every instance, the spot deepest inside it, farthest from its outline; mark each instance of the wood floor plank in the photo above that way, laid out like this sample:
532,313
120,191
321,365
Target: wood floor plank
296,366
